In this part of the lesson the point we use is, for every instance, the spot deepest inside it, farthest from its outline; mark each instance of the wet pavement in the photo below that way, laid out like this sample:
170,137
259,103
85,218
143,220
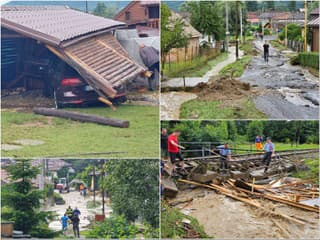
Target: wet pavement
291,91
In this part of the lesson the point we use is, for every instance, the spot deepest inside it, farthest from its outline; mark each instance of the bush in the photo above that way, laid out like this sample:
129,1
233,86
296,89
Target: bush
43,231
113,227
295,60
91,204
266,31
58,199
309,59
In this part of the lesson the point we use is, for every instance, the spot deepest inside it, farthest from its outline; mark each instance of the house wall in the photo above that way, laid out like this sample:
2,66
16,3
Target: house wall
138,13
315,40
180,54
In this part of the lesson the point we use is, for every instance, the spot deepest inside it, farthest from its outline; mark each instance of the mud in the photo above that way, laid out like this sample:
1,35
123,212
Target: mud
170,103
223,217
293,90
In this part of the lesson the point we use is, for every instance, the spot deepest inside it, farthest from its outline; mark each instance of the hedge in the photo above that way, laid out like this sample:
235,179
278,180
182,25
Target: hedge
310,59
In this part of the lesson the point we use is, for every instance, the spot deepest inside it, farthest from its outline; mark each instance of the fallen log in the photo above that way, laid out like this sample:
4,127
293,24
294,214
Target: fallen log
245,200
82,117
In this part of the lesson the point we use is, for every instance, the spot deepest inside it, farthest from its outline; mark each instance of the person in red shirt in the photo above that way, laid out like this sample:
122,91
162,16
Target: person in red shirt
174,148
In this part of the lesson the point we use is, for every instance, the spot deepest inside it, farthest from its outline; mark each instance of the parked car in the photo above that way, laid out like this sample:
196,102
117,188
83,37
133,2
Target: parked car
73,90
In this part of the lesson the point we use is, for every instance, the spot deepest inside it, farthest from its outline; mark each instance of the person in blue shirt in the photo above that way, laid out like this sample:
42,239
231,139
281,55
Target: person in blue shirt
225,154
269,153
258,141
64,221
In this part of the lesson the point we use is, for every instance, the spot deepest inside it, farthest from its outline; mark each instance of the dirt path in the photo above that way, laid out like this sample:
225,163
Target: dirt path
223,217
74,199
170,103
292,90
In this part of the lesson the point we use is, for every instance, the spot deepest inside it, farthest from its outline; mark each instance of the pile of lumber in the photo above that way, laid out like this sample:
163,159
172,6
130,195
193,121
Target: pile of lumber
286,193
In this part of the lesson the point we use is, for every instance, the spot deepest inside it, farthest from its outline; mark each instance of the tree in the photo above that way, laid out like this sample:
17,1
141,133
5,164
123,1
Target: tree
270,5
205,18
172,34
103,11
254,128
22,202
292,6
133,187
252,6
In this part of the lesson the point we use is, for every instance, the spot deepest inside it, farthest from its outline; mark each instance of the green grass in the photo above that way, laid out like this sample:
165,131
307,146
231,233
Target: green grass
197,109
247,48
281,146
312,173
64,137
236,68
195,68
278,45
171,225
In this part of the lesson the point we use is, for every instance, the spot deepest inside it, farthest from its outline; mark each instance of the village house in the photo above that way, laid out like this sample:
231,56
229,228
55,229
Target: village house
253,19
193,47
277,20
313,24
140,13
38,44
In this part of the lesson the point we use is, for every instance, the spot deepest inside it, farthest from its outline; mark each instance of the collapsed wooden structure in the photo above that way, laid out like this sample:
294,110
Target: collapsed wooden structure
41,36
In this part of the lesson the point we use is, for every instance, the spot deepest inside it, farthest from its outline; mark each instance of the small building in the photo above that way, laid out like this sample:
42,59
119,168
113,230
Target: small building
140,13
313,25
35,38
192,49
253,19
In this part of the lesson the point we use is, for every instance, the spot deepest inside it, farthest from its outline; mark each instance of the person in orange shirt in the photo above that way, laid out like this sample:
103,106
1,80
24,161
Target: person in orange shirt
258,141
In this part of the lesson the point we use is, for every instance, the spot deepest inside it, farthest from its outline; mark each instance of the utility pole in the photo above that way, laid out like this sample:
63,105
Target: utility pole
305,25
227,27
86,6
236,29
94,184
241,29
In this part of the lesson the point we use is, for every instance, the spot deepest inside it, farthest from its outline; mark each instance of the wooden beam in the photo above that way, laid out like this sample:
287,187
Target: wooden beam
245,200
82,117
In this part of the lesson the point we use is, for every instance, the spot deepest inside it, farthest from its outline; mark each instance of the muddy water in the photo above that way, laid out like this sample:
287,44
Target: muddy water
170,103
293,91
223,217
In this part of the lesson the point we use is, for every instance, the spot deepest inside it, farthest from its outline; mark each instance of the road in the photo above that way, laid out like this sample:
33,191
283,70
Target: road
289,92
74,199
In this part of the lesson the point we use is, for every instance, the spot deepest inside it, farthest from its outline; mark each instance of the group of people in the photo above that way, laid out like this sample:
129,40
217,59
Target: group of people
170,147
71,216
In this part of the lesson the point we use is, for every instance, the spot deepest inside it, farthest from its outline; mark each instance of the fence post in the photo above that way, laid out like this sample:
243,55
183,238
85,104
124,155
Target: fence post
185,54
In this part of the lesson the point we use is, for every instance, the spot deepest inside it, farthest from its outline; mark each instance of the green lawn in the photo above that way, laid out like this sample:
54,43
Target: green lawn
281,146
195,68
236,68
197,109
278,45
65,137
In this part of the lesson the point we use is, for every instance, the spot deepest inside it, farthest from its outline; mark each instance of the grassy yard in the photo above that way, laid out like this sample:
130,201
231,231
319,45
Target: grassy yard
195,68
236,68
65,137
312,173
278,45
280,146
197,109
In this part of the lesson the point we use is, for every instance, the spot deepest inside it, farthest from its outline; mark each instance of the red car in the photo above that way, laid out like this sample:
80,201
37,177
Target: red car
72,90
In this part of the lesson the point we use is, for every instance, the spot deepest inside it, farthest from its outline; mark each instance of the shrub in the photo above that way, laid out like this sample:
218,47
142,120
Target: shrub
113,227
309,59
266,31
91,204
295,60
58,199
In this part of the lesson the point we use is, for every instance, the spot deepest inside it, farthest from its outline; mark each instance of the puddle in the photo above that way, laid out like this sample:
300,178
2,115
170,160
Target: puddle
26,142
10,147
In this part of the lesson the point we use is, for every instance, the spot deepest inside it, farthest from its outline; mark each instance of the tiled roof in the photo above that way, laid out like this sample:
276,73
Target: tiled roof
53,24
188,28
314,22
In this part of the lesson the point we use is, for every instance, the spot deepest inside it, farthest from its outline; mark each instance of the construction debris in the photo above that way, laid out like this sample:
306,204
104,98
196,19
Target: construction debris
82,117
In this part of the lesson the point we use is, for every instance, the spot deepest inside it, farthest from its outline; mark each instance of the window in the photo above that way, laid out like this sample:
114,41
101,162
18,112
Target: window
127,15
154,12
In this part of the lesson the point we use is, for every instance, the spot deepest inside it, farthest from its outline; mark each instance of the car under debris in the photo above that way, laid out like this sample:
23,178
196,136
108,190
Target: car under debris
70,55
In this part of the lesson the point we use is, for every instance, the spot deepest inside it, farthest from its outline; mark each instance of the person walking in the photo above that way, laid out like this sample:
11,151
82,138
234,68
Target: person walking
75,225
69,212
225,154
164,143
258,142
64,222
76,211
150,58
174,149
269,153
266,51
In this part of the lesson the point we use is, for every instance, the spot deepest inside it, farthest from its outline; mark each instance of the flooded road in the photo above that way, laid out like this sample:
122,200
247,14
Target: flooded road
292,92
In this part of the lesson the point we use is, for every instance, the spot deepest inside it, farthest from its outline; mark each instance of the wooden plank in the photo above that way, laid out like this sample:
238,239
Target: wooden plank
82,117
245,200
